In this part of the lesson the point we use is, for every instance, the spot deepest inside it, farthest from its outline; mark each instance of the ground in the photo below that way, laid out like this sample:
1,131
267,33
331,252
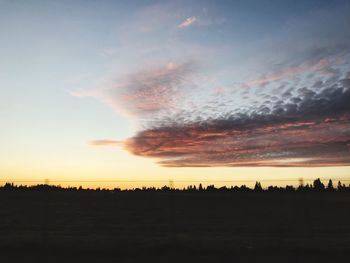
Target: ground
79,226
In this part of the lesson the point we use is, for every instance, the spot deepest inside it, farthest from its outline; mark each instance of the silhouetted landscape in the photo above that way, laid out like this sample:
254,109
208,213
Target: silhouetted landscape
174,131
45,223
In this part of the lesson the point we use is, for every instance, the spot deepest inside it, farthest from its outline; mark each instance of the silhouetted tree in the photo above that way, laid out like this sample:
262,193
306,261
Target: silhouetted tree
318,185
341,187
290,188
272,188
8,186
330,185
211,188
301,188
235,188
223,188
200,187
165,188
244,188
257,187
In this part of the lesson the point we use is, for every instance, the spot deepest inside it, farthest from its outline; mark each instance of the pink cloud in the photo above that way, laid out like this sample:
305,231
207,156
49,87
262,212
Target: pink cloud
289,72
187,22
144,92
284,145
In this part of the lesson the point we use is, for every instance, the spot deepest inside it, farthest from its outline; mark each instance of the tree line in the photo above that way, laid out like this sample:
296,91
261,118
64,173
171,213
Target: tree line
316,186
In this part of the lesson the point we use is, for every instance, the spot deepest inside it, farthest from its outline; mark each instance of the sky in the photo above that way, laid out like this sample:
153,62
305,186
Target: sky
132,93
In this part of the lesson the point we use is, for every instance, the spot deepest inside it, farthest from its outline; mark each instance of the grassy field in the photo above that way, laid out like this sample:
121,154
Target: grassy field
174,226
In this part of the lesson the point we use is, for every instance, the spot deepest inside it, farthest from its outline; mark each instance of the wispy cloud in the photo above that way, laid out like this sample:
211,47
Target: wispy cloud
290,72
105,142
187,22
147,92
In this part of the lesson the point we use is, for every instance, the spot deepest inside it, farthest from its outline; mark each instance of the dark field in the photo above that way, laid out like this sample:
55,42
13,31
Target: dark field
174,226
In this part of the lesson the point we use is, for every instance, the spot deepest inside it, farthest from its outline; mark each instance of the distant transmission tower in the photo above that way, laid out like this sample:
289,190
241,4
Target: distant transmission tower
171,184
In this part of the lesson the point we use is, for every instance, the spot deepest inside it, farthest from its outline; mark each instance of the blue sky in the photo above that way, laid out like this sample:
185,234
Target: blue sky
82,73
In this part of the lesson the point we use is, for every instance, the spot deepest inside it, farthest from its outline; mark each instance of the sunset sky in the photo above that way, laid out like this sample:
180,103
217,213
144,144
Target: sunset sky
133,93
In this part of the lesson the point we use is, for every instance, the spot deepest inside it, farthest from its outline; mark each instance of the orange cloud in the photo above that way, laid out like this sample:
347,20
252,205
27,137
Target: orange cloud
105,142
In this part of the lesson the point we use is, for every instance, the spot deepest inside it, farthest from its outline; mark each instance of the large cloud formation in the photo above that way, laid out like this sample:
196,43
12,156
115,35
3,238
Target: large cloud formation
308,129
300,117
284,102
